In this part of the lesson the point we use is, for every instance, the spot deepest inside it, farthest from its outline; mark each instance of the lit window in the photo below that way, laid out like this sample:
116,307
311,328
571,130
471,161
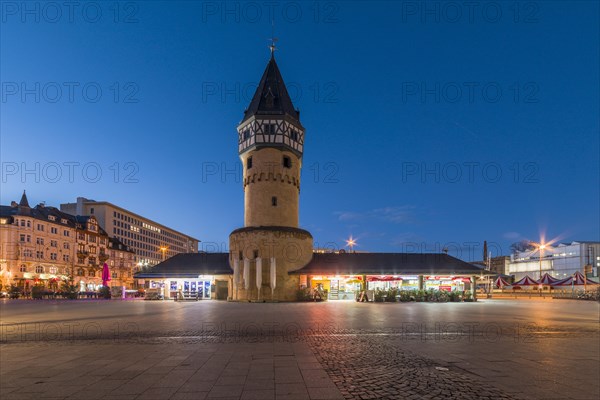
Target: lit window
39,269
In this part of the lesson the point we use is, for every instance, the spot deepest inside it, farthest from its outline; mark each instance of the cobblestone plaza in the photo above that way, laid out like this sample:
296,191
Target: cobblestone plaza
491,349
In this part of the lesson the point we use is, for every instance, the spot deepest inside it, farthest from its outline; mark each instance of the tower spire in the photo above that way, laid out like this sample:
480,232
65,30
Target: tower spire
24,202
271,97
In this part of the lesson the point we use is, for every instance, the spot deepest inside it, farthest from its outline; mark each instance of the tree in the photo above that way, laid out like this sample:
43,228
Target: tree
69,288
522,245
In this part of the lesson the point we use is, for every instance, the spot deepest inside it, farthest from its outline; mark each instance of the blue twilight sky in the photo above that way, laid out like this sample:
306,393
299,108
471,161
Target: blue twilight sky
428,124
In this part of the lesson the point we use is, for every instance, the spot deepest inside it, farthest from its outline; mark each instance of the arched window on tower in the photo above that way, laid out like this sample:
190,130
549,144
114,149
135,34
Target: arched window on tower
249,163
274,201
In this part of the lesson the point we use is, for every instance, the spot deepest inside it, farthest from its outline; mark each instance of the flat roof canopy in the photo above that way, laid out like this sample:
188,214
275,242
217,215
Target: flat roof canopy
189,265
388,264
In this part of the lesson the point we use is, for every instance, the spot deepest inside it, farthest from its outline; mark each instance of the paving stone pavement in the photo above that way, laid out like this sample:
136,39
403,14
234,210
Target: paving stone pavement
368,367
175,352
315,367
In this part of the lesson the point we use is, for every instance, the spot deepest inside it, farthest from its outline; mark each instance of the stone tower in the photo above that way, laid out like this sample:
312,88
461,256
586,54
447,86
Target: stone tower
270,144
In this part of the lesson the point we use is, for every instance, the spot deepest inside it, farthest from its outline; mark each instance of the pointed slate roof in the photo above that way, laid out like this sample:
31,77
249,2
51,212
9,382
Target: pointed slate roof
271,96
24,202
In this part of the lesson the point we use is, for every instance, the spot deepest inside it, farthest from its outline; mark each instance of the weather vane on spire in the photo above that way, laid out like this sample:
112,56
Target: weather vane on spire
272,45
273,39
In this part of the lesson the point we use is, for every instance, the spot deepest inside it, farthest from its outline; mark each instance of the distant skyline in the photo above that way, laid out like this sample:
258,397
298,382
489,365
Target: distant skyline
425,128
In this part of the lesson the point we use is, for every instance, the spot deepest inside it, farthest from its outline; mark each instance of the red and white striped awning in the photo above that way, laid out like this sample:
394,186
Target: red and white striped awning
526,281
577,279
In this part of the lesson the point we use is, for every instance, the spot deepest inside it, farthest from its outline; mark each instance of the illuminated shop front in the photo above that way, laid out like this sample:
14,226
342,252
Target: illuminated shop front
447,283
344,275
347,287
199,288
189,276
338,287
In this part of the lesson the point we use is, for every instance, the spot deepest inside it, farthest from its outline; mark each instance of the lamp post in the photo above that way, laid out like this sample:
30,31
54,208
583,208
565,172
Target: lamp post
541,247
163,249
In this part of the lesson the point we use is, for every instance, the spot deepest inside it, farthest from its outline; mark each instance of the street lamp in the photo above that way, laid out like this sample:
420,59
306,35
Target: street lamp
351,242
164,250
541,247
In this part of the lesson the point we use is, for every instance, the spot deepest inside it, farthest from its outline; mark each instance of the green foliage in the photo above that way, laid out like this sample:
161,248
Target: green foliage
443,296
455,296
304,294
70,289
391,295
405,295
468,296
420,295
14,291
105,292
38,292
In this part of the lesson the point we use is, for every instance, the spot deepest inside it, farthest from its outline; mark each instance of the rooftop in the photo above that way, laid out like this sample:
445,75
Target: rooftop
387,264
271,97
189,265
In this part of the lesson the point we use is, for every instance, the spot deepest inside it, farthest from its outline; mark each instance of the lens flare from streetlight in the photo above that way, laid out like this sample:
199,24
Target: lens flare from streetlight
351,242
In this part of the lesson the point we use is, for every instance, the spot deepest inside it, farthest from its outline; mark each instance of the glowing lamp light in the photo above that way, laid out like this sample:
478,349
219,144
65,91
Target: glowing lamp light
351,242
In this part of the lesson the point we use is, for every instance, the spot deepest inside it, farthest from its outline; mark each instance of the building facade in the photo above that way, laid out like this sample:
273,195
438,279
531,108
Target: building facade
151,241
42,245
499,264
560,261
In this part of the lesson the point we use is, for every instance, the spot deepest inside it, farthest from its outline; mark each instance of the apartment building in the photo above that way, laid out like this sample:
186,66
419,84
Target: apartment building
43,245
152,242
